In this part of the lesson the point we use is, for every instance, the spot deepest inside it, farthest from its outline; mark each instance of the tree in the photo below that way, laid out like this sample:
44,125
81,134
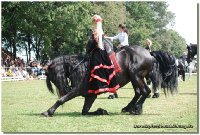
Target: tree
113,13
50,29
172,42
10,24
147,19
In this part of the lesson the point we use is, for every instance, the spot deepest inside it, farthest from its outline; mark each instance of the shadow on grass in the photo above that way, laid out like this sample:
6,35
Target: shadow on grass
78,114
114,98
133,96
187,93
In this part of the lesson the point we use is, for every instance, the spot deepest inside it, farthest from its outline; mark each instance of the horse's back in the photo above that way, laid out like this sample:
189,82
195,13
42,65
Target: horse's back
140,51
135,58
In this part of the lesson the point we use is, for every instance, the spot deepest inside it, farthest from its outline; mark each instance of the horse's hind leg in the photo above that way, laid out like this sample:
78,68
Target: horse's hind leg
89,100
141,93
134,100
145,91
183,72
59,102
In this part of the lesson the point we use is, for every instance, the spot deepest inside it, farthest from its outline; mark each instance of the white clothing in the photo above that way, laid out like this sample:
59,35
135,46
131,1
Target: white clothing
122,37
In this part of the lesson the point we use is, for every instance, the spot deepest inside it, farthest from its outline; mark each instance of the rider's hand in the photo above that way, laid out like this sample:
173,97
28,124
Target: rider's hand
105,36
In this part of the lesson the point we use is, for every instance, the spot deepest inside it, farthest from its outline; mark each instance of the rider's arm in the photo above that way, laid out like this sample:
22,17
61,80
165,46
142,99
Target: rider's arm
113,38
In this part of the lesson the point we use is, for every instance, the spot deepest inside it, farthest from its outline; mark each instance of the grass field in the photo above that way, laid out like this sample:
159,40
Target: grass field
23,101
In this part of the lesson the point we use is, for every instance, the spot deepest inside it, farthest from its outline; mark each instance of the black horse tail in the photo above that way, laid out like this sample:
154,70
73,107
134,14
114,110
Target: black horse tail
49,85
168,71
154,77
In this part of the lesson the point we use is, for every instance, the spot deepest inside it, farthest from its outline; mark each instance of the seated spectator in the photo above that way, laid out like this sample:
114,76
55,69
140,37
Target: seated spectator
9,72
39,69
25,74
3,71
18,72
13,70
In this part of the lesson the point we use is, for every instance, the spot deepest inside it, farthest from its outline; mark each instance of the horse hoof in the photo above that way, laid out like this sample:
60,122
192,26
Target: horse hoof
105,112
124,110
149,96
136,111
116,95
46,114
101,111
110,97
156,95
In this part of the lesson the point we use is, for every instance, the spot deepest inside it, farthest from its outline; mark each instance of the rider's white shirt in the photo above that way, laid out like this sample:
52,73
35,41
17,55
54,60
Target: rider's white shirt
122,37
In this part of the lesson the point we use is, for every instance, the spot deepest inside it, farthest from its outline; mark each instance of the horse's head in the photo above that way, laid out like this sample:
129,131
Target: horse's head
56,73
63,74
108,46
192,51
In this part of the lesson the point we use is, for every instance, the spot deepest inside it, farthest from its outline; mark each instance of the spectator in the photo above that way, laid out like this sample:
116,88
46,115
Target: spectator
9,72
3,71
25,74
18,72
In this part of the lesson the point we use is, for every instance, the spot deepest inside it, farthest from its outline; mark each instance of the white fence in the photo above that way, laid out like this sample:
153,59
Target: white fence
15,78
20,75
20,78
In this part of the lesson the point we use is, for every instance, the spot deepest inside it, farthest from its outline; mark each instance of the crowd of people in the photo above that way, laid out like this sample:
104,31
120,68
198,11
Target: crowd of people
18,68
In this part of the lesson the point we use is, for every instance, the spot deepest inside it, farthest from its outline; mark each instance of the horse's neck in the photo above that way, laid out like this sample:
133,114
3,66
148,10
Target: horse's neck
194,49
108,46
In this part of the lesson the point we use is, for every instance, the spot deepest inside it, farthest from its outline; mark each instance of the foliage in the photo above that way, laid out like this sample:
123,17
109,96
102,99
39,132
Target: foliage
50,29
172,42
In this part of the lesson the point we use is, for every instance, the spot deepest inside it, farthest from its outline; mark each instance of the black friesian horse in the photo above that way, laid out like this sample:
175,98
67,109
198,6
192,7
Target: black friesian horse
136,63
192,51
182,66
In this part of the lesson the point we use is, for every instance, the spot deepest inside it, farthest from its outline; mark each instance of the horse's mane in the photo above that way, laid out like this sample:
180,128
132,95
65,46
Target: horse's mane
71,59
62,67
167,59
167,63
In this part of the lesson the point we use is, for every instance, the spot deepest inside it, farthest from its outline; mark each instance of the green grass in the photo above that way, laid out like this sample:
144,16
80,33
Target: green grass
23,101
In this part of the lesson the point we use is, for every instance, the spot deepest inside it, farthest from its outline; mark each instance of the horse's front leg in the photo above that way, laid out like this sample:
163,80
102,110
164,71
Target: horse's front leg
62,100
89,100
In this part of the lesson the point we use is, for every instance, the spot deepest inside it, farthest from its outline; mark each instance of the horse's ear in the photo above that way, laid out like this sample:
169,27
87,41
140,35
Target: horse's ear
188,46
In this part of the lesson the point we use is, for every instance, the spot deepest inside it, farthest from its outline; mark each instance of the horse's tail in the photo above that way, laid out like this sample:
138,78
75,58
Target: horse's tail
168,70
49,85
155,77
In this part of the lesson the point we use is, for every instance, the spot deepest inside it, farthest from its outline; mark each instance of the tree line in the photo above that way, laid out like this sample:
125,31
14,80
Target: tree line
51,29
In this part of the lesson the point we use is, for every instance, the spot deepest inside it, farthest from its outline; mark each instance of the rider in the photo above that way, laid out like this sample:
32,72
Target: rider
122,36
148,44
148,47
102,72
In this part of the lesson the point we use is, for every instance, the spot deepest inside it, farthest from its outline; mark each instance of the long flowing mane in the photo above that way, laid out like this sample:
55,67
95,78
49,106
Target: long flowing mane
167,63
64,69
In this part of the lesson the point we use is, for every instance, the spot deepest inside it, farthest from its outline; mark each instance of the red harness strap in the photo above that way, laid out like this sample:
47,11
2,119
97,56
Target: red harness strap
112,90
